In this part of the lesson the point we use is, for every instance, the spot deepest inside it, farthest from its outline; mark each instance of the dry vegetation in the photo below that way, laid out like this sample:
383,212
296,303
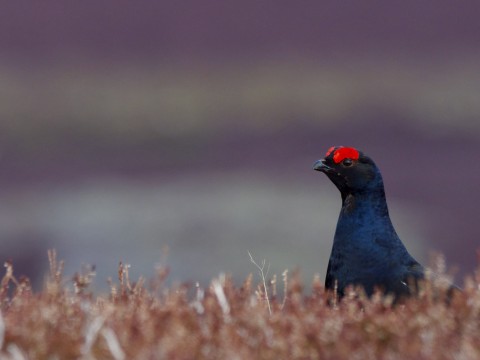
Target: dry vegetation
148,320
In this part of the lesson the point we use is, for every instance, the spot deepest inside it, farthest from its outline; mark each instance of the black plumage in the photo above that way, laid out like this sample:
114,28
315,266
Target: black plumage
366,248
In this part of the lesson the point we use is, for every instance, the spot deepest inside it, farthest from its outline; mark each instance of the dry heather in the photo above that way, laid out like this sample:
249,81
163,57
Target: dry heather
152,321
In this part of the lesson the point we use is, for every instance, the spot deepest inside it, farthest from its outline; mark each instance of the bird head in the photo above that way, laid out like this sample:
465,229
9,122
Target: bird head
350,170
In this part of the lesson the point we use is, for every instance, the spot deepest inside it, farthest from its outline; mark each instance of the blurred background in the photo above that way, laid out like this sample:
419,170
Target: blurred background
127,127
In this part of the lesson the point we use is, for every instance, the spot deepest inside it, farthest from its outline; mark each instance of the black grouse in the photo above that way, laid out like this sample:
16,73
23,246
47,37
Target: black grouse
366,249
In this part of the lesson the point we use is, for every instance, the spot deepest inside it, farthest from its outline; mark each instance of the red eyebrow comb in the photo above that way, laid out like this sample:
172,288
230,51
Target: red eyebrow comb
342,153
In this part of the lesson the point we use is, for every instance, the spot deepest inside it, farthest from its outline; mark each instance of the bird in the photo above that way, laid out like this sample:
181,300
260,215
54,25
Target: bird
367,251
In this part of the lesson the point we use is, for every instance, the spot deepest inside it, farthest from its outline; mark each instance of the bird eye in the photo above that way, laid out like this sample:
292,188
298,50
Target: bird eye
347,162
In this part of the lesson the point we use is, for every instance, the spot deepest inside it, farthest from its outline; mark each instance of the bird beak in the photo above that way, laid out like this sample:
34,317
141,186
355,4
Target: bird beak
321,166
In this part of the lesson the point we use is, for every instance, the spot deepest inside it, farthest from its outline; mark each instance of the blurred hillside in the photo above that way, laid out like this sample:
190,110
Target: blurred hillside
152,30
126,126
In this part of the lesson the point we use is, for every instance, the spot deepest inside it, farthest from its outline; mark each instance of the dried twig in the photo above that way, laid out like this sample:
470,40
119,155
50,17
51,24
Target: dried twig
222,299
263,275
285,287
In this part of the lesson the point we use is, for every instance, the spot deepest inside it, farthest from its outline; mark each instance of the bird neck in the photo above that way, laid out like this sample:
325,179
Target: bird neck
364,222
365,211
368,200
